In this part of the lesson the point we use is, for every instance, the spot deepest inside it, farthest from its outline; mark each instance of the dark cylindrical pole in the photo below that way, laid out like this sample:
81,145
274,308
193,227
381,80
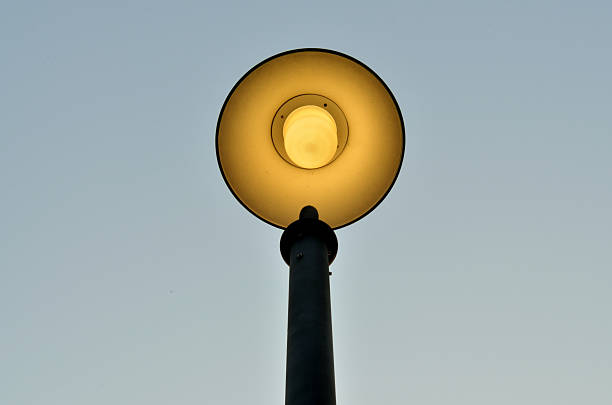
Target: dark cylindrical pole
308,246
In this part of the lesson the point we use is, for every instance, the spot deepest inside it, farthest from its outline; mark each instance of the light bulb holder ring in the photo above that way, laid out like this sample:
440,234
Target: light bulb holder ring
304,100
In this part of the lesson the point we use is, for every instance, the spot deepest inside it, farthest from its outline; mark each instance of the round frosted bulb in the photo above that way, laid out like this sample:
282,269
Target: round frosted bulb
310,136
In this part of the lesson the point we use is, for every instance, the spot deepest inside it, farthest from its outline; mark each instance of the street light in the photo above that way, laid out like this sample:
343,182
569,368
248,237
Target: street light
314,132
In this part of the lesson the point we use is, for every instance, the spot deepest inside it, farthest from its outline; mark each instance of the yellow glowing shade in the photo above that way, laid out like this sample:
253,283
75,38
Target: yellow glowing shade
311,136
343,191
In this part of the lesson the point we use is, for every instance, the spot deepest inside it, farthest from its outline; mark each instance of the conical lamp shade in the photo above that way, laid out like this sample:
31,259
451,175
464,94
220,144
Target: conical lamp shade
370,138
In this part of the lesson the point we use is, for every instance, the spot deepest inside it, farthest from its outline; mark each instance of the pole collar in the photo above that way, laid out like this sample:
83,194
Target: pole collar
308,224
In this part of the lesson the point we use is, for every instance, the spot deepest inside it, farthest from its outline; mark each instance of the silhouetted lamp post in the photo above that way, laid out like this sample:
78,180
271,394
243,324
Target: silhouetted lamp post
317,133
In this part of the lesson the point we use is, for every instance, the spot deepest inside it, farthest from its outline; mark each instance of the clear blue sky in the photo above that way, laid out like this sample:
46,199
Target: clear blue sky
130,275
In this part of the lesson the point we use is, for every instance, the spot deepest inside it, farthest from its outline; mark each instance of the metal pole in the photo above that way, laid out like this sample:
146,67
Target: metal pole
309,246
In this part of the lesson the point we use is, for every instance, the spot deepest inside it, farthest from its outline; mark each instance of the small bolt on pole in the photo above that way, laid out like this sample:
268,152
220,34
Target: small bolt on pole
309,246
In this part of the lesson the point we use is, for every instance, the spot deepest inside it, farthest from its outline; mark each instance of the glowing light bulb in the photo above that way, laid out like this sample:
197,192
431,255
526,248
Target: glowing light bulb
310,136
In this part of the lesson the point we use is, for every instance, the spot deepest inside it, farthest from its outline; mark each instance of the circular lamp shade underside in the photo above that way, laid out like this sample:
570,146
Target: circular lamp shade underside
344,190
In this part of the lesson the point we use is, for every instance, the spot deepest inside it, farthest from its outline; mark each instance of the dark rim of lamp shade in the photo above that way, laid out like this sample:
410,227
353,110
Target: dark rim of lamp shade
290,218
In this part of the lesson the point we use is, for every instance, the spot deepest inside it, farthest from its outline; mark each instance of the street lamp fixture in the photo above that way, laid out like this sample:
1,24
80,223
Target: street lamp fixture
314,132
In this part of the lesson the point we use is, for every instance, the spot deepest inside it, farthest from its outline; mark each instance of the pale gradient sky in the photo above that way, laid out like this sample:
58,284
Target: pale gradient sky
130,275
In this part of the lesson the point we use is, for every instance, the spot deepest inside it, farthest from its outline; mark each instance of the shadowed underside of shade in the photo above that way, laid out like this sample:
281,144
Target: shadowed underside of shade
345,189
